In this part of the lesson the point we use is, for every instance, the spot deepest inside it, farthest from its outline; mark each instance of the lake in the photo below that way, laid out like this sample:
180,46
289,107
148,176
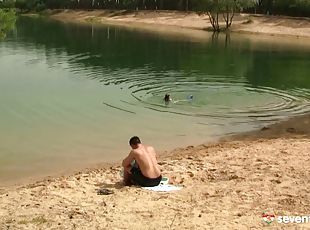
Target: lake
72,95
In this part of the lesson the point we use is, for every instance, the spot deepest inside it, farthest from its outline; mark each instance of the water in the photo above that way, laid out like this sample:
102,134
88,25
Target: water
71,96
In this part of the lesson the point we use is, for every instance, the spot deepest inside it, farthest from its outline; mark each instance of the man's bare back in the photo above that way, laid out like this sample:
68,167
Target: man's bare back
145,171
145,157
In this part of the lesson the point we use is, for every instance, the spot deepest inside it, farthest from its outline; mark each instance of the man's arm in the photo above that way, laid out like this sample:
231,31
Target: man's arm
127,161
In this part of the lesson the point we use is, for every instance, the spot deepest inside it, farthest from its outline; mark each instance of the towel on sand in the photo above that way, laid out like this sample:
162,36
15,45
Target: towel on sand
163,188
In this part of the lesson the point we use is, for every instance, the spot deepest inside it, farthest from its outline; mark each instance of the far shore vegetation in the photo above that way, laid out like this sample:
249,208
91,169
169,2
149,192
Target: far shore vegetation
7,21
217,10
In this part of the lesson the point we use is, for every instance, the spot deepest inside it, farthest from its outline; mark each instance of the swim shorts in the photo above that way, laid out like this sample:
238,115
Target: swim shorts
140,179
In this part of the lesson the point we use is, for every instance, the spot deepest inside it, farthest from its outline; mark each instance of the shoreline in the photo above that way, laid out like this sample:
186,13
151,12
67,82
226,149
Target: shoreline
175,20
235,180
292,128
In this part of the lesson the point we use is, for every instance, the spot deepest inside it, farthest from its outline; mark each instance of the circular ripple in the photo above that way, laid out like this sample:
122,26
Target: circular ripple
215,96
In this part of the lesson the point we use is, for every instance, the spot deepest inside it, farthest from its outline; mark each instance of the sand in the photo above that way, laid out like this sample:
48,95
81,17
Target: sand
226,185
174,21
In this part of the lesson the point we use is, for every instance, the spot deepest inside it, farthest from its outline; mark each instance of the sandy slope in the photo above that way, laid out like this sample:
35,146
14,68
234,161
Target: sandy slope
226,186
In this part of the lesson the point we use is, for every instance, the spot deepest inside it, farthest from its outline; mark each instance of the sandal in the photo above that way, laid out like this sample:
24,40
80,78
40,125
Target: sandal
104,191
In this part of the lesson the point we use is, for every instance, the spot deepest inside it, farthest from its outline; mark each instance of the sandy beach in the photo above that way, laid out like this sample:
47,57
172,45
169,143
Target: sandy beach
225,185
174,21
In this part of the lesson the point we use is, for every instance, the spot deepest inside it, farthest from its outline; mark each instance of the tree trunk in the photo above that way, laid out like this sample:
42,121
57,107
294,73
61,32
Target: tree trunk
214,20
217,22
161,4
228,17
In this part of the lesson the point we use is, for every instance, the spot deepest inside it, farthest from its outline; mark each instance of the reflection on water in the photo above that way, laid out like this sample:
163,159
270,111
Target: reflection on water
72,95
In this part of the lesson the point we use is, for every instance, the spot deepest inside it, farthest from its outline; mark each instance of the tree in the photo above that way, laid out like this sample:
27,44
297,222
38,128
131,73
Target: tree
216,8
7,21
7,4
284,7
226,8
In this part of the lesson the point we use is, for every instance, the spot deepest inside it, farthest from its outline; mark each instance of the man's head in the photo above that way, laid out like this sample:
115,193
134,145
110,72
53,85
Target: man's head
134,142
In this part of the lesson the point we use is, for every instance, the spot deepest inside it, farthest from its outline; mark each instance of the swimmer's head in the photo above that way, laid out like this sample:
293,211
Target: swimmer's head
190,97
167,98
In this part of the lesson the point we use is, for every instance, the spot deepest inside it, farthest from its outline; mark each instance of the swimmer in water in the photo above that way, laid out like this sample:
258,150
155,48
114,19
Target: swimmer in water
167,98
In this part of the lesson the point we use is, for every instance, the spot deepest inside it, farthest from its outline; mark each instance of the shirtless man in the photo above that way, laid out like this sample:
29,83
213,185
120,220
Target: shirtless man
140,166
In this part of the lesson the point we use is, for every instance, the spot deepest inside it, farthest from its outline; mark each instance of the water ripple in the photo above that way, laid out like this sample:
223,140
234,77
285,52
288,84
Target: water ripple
214,96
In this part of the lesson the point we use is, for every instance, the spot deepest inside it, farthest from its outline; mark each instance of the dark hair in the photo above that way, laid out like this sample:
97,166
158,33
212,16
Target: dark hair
167,97
134,140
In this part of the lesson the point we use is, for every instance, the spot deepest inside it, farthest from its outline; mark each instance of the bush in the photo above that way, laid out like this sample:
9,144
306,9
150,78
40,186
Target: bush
7,21
40,7
284,7
22,5
7,4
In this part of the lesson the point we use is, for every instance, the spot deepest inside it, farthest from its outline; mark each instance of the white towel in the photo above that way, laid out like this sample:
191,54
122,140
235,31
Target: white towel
163,188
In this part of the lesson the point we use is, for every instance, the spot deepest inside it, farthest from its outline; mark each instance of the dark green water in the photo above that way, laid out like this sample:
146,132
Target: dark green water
72,95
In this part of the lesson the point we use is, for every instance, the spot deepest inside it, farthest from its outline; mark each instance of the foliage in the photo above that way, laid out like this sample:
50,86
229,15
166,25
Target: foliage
6,4
223,8
7,21
284,7
30,5
21,4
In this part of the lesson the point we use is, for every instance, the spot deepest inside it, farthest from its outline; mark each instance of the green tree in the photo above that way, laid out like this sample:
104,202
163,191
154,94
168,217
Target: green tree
7,4
223,8
216,8
7,21
284,7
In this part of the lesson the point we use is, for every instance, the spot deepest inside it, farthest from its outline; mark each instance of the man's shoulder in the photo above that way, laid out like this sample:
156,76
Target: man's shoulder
149,147
136,151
